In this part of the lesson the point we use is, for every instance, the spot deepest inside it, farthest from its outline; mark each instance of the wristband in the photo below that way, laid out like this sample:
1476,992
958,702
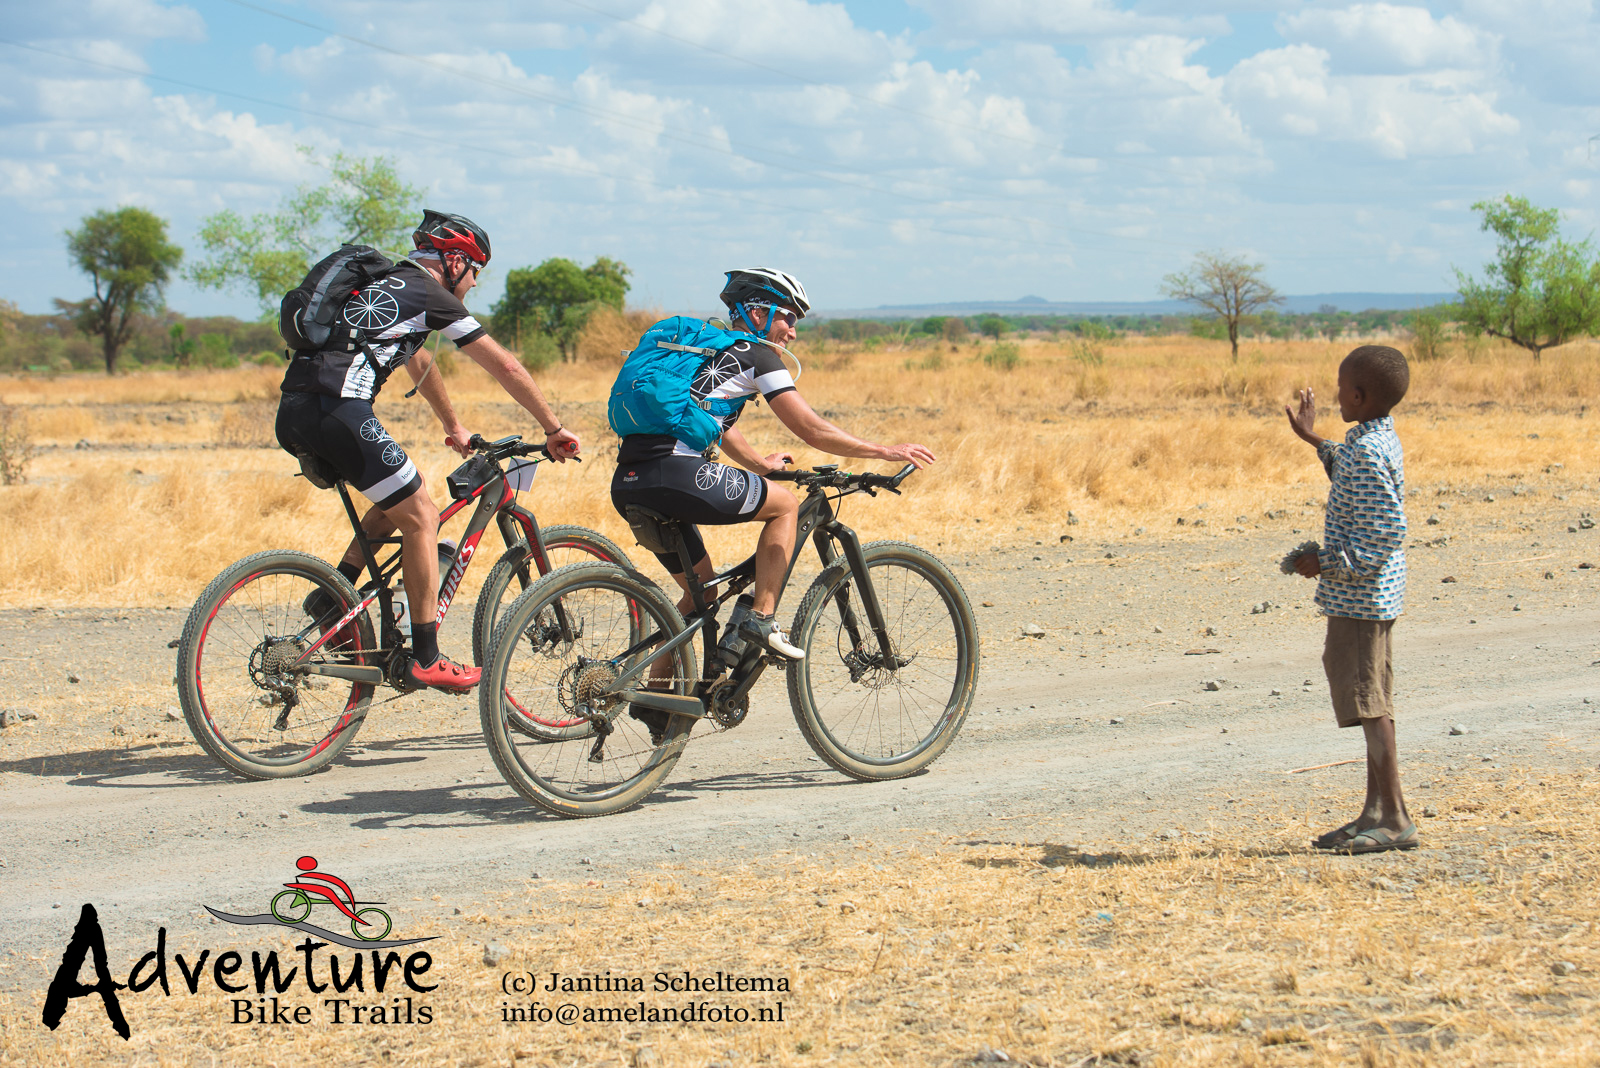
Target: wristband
559,428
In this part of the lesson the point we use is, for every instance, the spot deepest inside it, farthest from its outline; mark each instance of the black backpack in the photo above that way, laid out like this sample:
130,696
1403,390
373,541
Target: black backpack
309,315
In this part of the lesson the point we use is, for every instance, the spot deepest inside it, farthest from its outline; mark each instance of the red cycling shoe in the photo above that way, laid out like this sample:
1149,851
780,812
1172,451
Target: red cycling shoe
443,674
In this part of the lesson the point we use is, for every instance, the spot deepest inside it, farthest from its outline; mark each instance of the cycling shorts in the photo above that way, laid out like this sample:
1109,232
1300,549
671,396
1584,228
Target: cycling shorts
690,489
344,432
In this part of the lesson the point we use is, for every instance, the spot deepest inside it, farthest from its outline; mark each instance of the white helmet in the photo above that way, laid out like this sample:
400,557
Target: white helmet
762,285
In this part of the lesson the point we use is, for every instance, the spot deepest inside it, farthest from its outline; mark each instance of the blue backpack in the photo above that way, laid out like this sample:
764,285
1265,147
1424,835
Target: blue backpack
652,391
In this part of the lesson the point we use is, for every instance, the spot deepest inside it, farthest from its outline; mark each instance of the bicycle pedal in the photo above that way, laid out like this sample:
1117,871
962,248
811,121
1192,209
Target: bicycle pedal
775,661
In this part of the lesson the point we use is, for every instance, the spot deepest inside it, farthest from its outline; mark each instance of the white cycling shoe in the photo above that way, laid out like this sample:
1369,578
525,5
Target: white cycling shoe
769,635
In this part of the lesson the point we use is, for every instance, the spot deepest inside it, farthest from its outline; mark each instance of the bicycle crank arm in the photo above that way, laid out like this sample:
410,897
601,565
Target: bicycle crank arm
348,672
666,702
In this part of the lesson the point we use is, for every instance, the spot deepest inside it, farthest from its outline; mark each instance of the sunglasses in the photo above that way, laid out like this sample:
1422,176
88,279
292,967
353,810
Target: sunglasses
787,316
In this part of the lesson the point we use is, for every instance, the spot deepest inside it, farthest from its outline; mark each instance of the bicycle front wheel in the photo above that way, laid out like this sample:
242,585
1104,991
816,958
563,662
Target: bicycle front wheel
875,716
515,571
555,657
243,703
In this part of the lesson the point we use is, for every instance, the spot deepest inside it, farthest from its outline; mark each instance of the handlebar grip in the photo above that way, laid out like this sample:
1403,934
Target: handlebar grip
783,476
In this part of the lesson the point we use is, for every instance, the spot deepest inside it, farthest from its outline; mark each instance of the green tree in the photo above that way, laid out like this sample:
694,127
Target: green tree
1540,290
181,347
127,254
1228,286
363,203
992,326
556,298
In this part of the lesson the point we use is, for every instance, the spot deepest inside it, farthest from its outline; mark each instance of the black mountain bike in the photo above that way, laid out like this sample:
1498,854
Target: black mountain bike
890,670
272,691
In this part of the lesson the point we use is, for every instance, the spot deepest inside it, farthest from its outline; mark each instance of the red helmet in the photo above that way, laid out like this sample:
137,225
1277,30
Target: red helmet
452,233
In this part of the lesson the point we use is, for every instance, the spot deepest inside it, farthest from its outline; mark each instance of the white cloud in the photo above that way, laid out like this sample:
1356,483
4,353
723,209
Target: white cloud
1063,20
1385,39
1290,92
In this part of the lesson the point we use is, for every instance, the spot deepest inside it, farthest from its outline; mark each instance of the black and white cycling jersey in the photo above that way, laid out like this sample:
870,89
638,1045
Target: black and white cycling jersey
394,315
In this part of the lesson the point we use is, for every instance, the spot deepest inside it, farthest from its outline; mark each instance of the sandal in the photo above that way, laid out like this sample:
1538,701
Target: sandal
1337,837
1380,840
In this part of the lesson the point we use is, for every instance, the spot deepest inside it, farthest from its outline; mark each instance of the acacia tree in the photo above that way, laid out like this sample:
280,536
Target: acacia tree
1539,291
1228,286
364,203
557,297
128,256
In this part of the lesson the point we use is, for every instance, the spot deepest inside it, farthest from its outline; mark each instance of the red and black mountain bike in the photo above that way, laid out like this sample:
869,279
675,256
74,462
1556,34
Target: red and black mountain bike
279,659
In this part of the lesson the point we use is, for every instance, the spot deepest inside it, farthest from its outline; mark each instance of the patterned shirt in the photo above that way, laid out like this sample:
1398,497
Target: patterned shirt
1363,554
395,315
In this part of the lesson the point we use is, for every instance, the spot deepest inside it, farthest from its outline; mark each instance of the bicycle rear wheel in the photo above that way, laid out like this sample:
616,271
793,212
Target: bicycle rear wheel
242,704
515,572
563,676
875,717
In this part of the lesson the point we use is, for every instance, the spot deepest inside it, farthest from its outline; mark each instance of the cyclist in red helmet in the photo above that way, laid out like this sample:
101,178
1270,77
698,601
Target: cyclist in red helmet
327,410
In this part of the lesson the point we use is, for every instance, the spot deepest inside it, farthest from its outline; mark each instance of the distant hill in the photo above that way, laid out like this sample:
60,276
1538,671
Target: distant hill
1032,305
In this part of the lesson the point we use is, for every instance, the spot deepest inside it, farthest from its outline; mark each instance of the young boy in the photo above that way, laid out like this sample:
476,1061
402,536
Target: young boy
1362,583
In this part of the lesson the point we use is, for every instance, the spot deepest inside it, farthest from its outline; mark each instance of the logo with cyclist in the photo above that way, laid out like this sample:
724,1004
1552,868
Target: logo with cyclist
311,890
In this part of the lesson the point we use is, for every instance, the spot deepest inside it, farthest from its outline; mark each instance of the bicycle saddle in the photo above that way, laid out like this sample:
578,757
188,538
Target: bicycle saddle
317,471
655,532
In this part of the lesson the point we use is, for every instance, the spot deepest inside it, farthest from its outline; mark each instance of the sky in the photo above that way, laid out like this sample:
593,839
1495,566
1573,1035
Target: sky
883,151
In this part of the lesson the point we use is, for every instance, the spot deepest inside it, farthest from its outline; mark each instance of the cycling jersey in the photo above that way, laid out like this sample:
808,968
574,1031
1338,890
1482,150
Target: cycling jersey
743,370
395,315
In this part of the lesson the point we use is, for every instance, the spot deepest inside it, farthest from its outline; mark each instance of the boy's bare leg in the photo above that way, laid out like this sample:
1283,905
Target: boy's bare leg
1385,807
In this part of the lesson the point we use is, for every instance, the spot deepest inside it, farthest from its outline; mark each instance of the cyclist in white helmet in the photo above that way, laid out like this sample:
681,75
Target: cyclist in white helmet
669,476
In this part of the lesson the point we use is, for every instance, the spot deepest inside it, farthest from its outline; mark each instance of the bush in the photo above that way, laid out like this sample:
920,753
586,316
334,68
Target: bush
1003,356
539,352
1427,336
1088,353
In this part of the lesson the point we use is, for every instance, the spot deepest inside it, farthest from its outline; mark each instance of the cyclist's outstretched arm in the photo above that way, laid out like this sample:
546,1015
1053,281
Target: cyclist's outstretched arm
431,385
737,446
798,415
490,355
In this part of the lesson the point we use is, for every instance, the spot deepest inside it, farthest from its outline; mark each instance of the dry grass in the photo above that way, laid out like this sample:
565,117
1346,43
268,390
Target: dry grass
1206,954
1162,427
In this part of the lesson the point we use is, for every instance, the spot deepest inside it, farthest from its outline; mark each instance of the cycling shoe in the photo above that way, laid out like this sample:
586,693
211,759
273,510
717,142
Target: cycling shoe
769,635
653,718
443,674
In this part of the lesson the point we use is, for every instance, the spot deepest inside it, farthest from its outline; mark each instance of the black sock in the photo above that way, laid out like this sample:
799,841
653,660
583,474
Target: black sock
351,571
425,643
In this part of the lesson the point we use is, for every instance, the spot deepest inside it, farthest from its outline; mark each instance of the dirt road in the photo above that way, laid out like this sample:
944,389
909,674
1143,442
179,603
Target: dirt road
1100,733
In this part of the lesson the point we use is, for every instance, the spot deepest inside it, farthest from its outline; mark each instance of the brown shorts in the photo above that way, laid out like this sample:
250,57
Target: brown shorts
1359,660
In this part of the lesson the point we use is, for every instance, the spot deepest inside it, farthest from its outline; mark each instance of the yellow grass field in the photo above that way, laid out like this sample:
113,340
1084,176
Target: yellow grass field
176,475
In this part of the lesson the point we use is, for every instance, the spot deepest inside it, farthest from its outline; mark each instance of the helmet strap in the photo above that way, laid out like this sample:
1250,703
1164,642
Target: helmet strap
742,312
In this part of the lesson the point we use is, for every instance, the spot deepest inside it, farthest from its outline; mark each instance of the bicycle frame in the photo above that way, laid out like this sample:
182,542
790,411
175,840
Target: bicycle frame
817,520
496,500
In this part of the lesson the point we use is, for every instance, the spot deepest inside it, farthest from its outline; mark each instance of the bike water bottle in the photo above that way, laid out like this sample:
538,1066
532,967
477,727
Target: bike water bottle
731,647
402,609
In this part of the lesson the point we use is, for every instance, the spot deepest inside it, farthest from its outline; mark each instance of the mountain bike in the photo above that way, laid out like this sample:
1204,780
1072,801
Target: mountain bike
275,678
891,664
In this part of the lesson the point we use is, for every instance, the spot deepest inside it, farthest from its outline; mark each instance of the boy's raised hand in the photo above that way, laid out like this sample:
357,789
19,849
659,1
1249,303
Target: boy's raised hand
1303,419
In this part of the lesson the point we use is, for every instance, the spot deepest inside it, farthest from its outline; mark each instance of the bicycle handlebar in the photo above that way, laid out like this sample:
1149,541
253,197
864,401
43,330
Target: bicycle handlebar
830,476
512,445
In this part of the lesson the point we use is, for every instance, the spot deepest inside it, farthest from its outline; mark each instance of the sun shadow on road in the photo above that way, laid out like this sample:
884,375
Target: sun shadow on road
156,766
437,808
